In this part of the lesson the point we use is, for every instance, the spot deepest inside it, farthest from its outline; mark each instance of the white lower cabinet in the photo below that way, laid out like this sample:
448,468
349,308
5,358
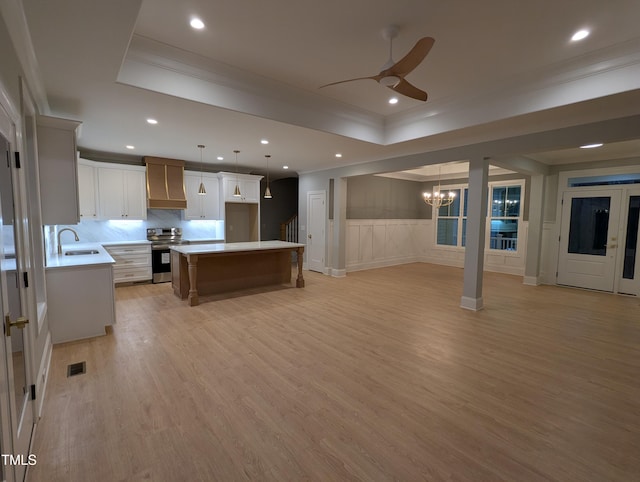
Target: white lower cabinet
80,301
133,262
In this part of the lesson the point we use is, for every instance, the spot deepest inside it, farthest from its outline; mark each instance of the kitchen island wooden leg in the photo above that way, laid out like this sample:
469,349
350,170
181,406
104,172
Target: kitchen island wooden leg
193,300
300,279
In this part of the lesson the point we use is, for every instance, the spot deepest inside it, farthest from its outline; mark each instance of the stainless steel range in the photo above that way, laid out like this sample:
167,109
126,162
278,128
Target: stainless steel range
161,241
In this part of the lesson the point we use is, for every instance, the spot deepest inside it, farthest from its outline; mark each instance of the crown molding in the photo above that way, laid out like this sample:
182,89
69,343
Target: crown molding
162,68
593,75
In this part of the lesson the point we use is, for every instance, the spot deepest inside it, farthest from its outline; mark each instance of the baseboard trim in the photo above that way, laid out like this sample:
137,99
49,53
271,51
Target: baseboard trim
384,263
531,281
43,375
473,304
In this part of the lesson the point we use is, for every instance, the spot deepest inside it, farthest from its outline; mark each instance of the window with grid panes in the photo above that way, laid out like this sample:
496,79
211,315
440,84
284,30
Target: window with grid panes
505,214
452,221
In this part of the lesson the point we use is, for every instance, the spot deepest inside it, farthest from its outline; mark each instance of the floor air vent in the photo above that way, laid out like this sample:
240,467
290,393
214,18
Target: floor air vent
76,369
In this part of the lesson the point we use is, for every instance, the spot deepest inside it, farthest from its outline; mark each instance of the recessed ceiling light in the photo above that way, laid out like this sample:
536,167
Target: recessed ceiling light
130,147
393,100
196,23
338,155
264,141
285,167
591,146
220,158
152,121
579,35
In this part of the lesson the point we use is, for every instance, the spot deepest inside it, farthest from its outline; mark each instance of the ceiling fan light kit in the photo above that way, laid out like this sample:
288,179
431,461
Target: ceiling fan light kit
392,74
390,80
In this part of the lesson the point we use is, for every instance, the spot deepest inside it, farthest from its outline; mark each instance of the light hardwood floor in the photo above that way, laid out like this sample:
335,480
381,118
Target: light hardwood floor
376,376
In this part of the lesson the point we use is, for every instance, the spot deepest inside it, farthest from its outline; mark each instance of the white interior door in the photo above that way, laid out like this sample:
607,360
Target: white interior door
589,242
316,219
15,349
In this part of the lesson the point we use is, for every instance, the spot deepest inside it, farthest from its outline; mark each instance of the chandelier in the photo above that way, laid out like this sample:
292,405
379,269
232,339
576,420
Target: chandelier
438,199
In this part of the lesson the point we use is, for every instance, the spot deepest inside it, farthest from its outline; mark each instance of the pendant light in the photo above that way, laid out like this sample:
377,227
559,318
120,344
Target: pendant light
267,191
236,191
201,190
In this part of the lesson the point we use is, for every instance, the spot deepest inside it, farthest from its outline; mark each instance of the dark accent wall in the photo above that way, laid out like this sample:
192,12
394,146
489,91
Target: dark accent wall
375,197
279,208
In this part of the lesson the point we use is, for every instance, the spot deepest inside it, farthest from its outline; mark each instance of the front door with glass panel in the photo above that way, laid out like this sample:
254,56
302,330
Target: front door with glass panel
589,242
629,282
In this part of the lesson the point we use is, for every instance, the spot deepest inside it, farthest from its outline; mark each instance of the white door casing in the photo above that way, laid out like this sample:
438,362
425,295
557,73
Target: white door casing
316,220
631,284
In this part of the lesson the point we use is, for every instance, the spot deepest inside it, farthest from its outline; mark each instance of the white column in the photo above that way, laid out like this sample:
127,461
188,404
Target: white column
474,246
339,246
534,238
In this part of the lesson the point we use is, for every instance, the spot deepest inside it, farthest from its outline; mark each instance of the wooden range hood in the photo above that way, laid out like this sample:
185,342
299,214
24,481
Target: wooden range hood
165,183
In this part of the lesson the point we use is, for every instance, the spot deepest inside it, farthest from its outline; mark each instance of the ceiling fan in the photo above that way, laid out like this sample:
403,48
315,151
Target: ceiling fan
392,74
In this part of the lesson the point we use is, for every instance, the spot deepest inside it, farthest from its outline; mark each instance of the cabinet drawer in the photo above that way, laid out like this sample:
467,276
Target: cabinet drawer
132,259
125,273
127,250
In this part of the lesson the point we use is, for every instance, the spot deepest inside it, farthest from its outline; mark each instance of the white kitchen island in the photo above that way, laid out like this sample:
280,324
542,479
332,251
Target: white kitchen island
217,268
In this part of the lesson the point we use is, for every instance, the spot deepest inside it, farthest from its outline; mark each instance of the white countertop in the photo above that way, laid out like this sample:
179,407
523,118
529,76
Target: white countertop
204,240
231,247
124,243
66,261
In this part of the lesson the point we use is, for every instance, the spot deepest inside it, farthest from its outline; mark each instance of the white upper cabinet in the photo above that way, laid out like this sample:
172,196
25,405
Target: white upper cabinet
87,190
248,184
121,192
206,206
57,161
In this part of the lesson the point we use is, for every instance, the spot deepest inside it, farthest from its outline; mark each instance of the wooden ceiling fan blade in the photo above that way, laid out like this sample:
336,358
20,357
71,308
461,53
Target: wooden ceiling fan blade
374,77
413,58
405,88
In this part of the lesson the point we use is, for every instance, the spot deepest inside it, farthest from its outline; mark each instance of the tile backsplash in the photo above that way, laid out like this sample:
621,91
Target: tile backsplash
104,231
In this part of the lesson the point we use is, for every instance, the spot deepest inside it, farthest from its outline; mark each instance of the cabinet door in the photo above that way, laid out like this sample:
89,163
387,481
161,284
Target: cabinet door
250,191
194,208
87,191
229,187
211,201
135,194
111,193
58,171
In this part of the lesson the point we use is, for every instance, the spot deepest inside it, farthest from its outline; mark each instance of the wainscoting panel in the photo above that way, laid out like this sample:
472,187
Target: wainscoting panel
373,243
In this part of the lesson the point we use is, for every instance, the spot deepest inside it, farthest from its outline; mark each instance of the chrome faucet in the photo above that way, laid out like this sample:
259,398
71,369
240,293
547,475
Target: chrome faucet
60,232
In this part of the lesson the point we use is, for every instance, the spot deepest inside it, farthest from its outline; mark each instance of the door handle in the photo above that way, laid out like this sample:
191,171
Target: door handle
309,236
19,323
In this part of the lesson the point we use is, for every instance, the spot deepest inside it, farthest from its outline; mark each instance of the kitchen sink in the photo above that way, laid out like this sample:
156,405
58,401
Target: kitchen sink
80,252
